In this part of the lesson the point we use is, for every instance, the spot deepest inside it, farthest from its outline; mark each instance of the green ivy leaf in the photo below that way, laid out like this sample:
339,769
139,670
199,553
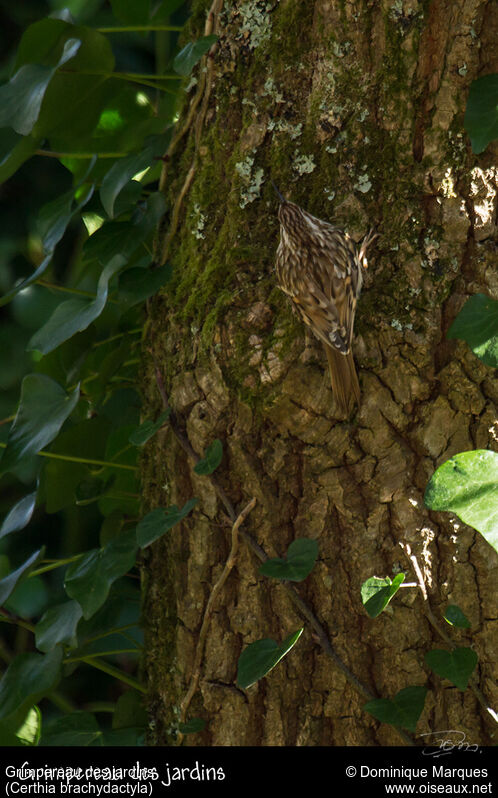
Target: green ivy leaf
19,516
258,659
27,679
211,460
43,408
121,174
78,728
39,271
129,12
89,580
14,151
467,485
138,284
129,711
21,728
456,666
376,593
22,97
192,726
300,559
456,617
58,625
75,315
146,430
403,710
55,216
481,114
187,58
9,582
159,521
124,237
477,325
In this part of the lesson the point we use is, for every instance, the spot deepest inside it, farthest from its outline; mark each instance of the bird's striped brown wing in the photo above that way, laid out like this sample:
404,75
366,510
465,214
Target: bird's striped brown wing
325,291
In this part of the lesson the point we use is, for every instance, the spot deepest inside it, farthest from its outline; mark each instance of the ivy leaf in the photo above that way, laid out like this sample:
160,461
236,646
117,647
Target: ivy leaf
43,408
9,582
21,728
58,625
159,521
403,710
89,580
121,174
129,711
211,459
55,216
187,58
377,593
28,281
477,325
75,315
19,516
21,98
129,12
455,617
467,485
192,726
481,114
124,237
260,657
456,665
147,429
78,728
27,679
300,559
138,284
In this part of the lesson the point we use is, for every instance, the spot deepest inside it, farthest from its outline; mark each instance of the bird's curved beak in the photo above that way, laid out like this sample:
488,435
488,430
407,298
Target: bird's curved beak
277,192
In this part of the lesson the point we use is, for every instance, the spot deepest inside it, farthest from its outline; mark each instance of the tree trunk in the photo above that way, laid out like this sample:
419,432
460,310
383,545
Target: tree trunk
355,110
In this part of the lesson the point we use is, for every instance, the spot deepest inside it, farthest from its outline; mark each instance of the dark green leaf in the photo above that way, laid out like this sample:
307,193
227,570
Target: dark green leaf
130,12
28,281
456,617
27,679
121,174
78,728
456,665
9,582
21,728
137,285
90,578
211,459
43,408
467,485
192,726
14,151
477,324
129,712
58,625
187,58
19,516
159,521
75,315
403,710
481,115
56,215
126,238
377,593
22,97
301,557
146,430
260,657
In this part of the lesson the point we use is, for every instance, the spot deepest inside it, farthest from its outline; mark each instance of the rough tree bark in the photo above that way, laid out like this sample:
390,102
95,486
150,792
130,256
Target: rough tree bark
355,109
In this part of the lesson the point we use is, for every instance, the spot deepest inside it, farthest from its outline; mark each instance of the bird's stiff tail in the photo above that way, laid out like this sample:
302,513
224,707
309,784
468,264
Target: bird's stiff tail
344,379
